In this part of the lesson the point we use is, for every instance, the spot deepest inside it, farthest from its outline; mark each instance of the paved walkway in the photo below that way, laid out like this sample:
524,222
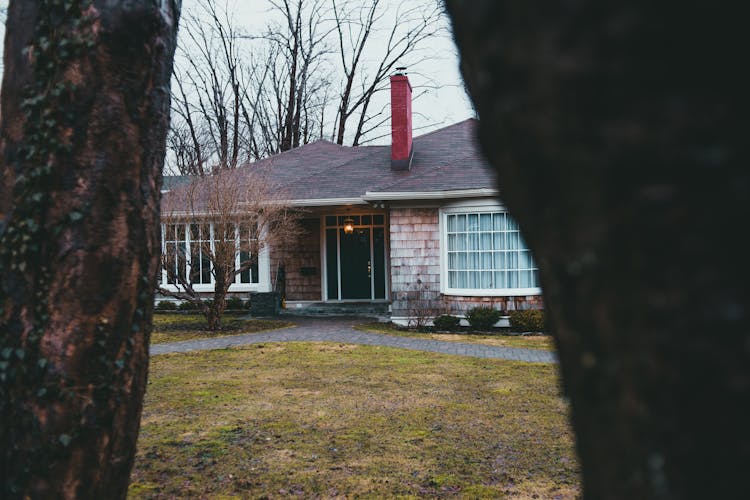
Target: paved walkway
340,330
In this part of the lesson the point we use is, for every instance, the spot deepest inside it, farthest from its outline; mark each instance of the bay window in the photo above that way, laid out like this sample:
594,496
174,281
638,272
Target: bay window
484,254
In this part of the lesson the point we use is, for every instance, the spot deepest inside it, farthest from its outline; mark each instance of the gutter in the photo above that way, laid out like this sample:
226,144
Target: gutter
428,195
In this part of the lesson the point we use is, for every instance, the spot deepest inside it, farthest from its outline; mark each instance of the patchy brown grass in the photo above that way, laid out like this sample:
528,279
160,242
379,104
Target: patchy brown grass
331,420
544,342
178,327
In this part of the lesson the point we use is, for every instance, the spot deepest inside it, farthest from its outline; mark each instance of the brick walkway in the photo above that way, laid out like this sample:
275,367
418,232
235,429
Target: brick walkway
340,330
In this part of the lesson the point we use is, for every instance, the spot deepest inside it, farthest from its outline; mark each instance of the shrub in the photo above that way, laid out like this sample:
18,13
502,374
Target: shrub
531,320
166,305
483,317
446,322
234,303
187,306
246,304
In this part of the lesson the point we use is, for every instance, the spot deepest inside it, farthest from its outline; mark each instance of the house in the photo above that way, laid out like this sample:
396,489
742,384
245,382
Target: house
415,225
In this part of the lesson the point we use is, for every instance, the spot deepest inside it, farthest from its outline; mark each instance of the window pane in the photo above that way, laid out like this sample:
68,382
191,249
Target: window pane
245,275
330,220
378,220
473,241
378,251
461,241
512,260
485,222
498,221
205,271
473,260
452,243
486,261
453,281
473,279
511,224
462,261
513,241
525,279
486,241
181,232
486,278
332,263
366,220
499,260
501,280
460,222
195,263
452,260
524,260
499,243
451,223
473,222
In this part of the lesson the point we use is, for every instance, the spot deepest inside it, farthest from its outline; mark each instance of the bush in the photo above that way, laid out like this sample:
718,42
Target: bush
531,320
166,305
482,318
246,304
234,303
187,306
446,322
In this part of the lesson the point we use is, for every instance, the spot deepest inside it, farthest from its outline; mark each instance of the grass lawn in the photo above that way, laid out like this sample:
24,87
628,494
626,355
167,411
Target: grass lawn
177,327
544,342
334,420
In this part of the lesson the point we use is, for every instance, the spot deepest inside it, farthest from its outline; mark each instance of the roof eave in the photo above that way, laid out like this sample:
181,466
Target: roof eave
428,195
326,202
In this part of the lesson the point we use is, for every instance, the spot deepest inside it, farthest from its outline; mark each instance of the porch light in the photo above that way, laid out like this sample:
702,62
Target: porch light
348,225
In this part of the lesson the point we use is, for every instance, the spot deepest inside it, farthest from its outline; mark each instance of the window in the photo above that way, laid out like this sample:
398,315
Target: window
200,250
484,254
188,248
245,258
174,251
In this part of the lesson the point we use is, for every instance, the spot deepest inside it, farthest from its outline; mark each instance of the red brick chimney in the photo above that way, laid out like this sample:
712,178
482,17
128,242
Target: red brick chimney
401,149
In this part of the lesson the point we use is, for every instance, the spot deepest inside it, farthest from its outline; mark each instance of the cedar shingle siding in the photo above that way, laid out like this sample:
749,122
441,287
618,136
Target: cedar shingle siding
303,253
415,270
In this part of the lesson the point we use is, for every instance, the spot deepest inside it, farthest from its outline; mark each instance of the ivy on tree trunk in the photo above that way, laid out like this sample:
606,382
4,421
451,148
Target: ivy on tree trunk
85,110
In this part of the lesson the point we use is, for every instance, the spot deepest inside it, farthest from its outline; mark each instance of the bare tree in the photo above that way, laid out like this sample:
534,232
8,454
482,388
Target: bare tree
210,129
214,230
318,66
85,107
366,71
297,88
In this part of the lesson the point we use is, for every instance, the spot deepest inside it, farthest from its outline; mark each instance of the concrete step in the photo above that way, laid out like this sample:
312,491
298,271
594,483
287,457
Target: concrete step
336,309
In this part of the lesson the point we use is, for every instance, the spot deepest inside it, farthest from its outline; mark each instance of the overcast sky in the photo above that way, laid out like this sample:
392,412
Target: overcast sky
441,105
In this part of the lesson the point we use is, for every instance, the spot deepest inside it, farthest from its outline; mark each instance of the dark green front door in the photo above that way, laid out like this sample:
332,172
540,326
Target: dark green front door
356,264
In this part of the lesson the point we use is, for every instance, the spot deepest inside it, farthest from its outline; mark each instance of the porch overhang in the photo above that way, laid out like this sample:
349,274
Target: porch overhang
327,202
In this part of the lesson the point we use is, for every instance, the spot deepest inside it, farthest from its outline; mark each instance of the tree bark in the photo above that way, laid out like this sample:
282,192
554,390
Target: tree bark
618,134
85,103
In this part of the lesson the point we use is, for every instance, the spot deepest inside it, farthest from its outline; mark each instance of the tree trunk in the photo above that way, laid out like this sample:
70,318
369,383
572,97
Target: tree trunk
619,138
85,104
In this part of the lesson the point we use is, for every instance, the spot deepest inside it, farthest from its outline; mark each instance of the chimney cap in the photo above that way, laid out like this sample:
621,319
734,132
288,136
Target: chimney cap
400,70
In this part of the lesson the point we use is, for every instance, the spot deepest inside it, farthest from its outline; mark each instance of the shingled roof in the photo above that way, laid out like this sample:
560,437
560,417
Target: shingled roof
445,160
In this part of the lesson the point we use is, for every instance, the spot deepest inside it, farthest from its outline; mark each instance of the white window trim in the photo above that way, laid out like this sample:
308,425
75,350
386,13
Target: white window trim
465,207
